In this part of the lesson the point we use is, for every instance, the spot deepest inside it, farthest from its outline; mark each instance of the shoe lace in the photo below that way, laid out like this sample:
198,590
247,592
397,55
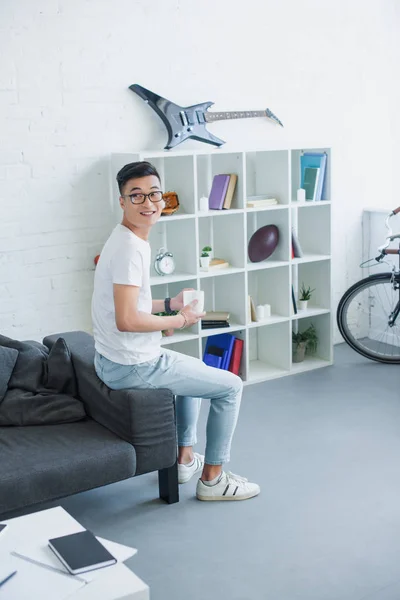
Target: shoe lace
235,478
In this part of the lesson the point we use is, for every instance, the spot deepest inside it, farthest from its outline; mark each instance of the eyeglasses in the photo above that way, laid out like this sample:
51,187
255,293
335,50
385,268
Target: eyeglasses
140,198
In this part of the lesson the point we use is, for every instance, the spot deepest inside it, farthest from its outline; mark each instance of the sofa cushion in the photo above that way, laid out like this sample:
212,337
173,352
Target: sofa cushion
41,463
8,358
42,386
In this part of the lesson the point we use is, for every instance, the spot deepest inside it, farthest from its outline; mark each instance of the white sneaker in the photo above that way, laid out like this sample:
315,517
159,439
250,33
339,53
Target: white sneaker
185,473
229,487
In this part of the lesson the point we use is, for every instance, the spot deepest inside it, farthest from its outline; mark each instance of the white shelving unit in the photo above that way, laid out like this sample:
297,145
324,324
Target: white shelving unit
267,344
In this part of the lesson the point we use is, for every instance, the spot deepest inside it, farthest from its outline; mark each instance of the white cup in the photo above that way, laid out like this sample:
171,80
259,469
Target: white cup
190,295
301,195
260,315
203,204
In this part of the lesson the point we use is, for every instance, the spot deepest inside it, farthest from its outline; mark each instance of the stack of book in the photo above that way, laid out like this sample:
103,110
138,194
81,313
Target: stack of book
222,190
214,319
260,201
313,175
224,351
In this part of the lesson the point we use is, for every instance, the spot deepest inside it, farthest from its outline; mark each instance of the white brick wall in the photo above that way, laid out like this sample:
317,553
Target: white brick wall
328,70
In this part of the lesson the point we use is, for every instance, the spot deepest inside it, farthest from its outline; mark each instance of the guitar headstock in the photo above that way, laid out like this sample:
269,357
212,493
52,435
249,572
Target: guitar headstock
271,115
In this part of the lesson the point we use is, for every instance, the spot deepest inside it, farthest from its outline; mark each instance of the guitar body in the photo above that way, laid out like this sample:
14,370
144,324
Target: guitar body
182,122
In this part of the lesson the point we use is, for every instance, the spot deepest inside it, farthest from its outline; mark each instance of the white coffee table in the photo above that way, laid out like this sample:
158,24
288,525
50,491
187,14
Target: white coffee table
113,583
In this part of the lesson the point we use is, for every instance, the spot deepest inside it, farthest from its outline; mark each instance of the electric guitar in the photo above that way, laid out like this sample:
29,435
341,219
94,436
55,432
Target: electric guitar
184,122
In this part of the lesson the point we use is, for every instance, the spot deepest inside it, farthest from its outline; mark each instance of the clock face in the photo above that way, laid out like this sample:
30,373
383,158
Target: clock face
166,265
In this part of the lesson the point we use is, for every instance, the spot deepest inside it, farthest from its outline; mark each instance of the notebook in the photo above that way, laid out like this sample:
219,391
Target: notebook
81,552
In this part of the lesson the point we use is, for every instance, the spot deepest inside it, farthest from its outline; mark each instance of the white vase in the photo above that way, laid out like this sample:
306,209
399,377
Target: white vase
302,304
205,262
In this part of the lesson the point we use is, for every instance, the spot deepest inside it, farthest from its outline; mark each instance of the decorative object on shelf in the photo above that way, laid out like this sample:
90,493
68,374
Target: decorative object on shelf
260,312
171,203
209,251
304,341
164,263
203,204
263,243
187,122
267,311
301,195
205,261
317,160
304,297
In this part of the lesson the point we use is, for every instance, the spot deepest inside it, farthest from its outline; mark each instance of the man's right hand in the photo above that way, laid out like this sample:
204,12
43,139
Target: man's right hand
191,315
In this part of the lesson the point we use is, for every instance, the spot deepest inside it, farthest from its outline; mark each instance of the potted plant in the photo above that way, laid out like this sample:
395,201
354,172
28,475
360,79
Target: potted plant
304,341
305,295
205,261
209,251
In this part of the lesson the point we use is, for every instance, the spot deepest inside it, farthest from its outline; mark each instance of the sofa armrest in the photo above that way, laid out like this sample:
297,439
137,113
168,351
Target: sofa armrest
144,418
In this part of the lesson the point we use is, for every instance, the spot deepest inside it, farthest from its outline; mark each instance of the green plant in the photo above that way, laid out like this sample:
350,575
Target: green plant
308,336
204,254
305,293
207,249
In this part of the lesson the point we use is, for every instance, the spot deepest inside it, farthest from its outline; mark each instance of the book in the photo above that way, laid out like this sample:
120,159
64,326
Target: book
310,183
252,310
318,160
294,302
297,249
218,263
234,365
216,316
212,360
259,202
224,342
230,191
81,552
218,191
214,324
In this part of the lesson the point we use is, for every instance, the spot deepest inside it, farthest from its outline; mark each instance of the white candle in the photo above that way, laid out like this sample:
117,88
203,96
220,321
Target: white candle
301,195
260,312
203,204
267,310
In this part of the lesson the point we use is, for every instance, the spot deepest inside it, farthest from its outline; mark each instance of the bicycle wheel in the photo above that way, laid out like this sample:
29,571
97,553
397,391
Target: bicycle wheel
363,318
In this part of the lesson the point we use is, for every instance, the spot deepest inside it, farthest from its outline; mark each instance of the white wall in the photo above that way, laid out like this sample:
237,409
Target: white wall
328,69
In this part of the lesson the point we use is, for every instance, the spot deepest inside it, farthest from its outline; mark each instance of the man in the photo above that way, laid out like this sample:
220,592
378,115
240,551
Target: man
127,341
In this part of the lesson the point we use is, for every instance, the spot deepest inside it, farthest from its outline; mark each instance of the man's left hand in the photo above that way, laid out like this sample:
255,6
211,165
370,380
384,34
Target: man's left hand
177,302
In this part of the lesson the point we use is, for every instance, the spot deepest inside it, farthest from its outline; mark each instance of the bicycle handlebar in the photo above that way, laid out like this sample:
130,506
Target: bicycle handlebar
396,210
392,251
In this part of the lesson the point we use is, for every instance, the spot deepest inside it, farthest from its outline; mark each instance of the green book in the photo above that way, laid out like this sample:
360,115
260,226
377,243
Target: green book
310,183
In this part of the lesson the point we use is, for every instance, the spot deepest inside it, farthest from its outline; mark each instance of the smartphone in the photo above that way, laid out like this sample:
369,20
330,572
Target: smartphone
3,527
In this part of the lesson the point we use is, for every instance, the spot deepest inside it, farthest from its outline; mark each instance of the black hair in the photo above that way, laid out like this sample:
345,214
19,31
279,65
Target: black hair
134,171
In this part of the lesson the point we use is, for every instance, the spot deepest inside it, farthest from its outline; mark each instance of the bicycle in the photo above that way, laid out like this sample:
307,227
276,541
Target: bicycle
367,314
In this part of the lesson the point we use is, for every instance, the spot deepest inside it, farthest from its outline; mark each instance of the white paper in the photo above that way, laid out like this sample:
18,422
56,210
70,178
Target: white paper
32,582
41,555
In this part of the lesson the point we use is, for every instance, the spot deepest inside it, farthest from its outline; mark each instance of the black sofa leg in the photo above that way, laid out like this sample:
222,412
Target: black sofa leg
168,484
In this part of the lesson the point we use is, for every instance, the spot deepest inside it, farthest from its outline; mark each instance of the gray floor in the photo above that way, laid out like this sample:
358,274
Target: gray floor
325,448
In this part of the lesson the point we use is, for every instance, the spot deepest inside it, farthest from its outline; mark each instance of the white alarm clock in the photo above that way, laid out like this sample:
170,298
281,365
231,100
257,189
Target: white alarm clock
164,263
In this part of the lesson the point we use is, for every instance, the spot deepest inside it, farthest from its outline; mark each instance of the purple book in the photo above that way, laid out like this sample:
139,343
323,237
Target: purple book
218,191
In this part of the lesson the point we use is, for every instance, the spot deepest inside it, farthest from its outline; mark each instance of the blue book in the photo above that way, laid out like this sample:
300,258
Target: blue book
224,341
315,160
212,360
218,191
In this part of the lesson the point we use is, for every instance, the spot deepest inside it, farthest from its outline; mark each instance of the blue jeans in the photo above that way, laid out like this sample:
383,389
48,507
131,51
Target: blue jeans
189,379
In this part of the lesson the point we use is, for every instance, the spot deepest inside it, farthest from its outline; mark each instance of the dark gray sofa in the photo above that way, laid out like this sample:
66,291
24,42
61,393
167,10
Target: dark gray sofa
124,434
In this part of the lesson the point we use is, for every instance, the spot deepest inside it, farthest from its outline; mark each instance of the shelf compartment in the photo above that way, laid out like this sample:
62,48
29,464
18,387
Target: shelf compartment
226,238
323,325
226,294
295,172
237,333
271,286
314,229
308,364
255,221
185,346
267,172
217,164
178,237
317,276
170,169
268,351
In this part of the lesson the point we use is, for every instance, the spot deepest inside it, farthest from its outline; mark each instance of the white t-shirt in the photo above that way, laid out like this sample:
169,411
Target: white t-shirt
125,259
